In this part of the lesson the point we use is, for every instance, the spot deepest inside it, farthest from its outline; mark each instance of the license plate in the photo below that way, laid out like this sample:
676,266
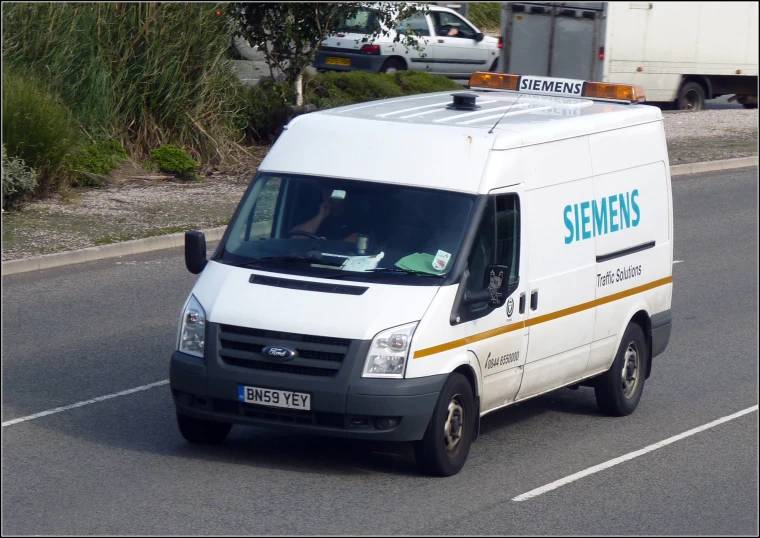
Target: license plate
332,60
274,398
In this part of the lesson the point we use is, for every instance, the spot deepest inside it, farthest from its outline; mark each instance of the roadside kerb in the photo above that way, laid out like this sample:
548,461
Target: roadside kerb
712,166
138,246
116,250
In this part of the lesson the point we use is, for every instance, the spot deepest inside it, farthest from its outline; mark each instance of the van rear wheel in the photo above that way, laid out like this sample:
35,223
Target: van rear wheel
619,390
202,432
444,448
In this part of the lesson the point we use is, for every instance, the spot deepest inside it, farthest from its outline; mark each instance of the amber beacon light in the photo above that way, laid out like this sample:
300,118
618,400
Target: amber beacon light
630,93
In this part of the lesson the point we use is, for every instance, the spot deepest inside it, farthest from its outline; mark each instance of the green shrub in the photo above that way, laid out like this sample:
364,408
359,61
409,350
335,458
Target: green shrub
19,181
99,157
174,160
38,128
485,15
266,110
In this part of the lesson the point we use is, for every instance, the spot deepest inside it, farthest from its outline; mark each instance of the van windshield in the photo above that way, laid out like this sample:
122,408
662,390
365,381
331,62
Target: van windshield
348,229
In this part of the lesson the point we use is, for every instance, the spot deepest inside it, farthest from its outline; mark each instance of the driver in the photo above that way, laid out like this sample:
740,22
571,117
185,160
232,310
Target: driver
332,220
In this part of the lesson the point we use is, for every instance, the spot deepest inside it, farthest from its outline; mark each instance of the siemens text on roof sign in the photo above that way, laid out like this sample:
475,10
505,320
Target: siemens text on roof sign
554,86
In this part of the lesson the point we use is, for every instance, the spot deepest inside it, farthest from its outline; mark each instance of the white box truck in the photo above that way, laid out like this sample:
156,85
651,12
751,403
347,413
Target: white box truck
680,52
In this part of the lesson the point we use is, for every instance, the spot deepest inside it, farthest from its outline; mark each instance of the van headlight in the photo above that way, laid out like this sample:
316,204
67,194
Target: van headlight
192,332
389,351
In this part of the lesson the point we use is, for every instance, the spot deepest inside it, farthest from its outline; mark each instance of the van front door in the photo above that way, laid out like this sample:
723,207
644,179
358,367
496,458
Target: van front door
497,335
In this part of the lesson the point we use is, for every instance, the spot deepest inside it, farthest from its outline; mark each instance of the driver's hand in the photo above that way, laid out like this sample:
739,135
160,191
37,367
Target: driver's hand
324,211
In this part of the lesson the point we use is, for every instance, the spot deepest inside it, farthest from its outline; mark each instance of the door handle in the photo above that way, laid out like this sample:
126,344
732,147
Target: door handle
440,41
534,300
522,303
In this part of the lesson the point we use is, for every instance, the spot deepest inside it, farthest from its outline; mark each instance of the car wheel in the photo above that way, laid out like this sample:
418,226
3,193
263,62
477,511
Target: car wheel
202,432
444,448
494,66
691,96
392,65
619,390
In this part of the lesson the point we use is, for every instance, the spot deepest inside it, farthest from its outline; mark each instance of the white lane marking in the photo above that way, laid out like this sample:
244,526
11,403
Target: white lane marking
86,402
602,466
677,261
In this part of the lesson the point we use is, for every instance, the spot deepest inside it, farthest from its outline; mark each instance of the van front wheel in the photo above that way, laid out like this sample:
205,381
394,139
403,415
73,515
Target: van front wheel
619,390
444,449
202,432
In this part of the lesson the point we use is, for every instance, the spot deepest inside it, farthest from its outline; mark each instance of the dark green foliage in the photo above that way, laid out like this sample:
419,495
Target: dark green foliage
38,128
99,157
485,15
174,160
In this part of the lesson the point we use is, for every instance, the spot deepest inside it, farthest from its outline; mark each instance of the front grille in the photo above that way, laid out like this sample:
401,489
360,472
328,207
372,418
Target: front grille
315,355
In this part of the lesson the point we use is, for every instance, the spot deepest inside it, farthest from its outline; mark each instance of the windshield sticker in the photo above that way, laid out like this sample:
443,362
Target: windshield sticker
441,260
362,263
339,195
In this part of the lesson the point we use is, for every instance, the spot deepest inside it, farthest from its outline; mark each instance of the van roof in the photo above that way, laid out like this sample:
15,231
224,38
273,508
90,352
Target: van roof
538,118
419,140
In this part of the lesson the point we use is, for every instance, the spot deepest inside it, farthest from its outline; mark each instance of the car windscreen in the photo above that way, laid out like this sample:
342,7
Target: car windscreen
350,229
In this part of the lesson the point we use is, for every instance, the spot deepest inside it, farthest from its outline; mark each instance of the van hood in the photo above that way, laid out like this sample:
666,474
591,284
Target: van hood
227,296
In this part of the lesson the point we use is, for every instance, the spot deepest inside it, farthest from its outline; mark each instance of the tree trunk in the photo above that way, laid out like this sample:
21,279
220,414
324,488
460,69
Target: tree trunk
299,89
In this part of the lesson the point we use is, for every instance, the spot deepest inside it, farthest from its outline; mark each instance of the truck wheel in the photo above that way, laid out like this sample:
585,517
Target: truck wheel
392,65
619,389
691,96
446,444
202,432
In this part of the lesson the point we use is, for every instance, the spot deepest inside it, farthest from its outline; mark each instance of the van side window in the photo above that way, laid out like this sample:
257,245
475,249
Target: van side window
497,241
259,225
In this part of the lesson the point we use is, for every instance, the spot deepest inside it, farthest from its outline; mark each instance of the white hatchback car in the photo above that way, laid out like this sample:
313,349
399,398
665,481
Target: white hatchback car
450,45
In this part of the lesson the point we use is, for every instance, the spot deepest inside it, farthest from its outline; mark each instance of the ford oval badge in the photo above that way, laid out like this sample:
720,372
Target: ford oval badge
278,353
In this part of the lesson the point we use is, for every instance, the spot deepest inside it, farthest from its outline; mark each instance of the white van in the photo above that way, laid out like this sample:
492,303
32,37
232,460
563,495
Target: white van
398,269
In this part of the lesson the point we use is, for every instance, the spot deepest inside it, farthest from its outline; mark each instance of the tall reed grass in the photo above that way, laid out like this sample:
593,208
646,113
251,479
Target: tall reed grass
146,73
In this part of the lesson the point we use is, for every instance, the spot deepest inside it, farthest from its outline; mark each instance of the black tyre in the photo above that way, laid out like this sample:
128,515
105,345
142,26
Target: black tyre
691,96
202,432
392,65
494,66
619,390
444,449
749,105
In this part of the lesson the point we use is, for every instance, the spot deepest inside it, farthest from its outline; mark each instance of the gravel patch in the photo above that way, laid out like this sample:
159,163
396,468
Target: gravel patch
132,208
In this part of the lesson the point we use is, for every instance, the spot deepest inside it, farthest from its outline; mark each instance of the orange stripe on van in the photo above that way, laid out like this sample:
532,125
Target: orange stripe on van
540,319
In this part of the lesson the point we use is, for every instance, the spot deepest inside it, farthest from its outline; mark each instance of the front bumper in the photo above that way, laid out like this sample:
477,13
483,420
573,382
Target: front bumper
344,405
359,62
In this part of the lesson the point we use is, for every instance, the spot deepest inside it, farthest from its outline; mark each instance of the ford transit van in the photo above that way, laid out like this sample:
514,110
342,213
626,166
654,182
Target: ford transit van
400,268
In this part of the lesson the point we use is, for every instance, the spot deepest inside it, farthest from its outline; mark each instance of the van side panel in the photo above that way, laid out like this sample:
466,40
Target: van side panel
561,269
631,225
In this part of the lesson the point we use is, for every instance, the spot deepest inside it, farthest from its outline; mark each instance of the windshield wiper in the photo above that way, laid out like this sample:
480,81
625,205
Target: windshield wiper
381,270
289,258
300,259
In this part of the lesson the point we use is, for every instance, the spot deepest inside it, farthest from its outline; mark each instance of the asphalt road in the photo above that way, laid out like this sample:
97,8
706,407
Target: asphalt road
119,466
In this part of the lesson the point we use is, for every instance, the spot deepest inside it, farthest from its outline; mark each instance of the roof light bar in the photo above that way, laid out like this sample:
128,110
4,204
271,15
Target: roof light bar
558,86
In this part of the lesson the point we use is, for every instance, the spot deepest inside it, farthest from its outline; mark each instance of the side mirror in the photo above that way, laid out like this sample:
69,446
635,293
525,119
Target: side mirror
195,251
494,288
478,37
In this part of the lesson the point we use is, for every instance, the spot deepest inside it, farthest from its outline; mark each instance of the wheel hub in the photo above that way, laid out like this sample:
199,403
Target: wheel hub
454,427
631,367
